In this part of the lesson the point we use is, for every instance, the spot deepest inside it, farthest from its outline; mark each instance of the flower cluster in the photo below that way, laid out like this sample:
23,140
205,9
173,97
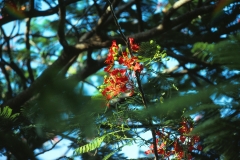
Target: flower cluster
116,83
118,80
181,147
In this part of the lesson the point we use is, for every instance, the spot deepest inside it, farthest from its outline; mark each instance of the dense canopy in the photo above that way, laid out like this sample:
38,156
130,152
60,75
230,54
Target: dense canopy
172,69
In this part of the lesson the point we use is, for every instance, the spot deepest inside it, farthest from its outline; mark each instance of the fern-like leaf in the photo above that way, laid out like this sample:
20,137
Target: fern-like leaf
90,146
6,113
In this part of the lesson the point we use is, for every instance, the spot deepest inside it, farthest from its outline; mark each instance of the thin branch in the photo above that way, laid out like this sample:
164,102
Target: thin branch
30,71
100,23
90,84
35,13
13,29
61,25
193,14
174,8
77,21
105,126
12,64
204,78
97,8
161,28
117,24
4,71
49,148
74,28
139,16
31,5
121,9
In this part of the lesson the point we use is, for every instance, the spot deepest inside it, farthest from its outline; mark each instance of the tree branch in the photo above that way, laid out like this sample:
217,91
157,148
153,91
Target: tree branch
4,71
30,72
61,25
100,22
161,28
72,51
12,64
49,148
35,13
174,8
139,16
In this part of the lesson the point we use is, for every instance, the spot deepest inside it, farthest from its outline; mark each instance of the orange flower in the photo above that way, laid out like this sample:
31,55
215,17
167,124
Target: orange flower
131,62
116,83
133,45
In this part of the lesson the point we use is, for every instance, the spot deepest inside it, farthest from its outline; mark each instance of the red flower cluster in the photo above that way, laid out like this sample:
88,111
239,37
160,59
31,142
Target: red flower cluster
133,46
178,147
112,55
160,148
118,82
132,63
191,141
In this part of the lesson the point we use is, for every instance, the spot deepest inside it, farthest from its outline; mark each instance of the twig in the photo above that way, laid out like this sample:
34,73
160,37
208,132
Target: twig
29,68
49,148
100,23
139,14
62,17
117,24
13,29
174,8
90,84
4,71
12,64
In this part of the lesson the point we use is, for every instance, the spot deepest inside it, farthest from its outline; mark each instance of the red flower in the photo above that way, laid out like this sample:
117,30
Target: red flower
114,48
110,59
138,67
185,128
108,68
196,139
113,51
116,83
199,147
180,154
190,148
177,146
148,152
132,63
133,45
182,138
159,133
189,156
160,149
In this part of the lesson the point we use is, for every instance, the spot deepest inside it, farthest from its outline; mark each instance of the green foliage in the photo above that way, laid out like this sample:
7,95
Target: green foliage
6,113
7,118
150,52
106,138
45,85
94,144
223,53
